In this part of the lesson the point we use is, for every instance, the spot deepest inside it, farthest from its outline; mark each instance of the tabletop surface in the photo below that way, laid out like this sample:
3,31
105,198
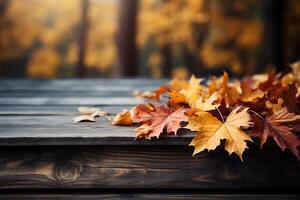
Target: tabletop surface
40,112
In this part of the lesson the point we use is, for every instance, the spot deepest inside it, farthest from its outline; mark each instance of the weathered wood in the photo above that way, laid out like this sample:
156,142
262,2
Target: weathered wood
61,130
16,110
41,147
147,196
144,167
80,101
82,84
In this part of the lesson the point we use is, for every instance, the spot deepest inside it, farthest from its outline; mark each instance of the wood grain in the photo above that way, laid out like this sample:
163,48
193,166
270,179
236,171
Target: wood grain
142,167
149,196
92,85
42,149
61,130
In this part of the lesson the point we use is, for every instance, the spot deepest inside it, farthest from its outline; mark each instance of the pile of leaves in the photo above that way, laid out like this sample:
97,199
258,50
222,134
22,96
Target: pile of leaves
260,106
220,109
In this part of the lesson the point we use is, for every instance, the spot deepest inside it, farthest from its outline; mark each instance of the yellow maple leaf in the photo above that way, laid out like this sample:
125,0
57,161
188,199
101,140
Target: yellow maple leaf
178,84
208,104
192,92
210,131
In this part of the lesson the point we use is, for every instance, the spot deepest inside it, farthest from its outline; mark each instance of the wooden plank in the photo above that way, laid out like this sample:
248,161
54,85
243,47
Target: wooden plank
45,93
147,196
99,101
141,167
81,84
61,130
53,110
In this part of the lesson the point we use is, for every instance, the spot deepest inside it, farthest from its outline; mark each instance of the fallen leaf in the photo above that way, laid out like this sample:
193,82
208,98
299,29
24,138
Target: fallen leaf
158,117
143,131
178,84
123,118
275,107
210,131
277,127
88,110
296,69
229,93
249,94
290,98
143,94
192,92
208,104
95,112
84,118
159,91
177,97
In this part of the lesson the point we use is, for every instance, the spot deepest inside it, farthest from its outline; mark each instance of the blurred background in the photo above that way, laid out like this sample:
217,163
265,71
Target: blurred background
150,38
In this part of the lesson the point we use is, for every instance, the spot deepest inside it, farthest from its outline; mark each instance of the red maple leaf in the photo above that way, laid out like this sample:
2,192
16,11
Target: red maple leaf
280,126
157,118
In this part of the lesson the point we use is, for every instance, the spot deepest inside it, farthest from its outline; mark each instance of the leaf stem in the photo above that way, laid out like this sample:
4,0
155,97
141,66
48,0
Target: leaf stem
257,114
220,114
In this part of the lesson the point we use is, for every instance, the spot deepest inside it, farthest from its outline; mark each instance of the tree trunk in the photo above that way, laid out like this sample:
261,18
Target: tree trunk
126,38
84,25
166,52
273,34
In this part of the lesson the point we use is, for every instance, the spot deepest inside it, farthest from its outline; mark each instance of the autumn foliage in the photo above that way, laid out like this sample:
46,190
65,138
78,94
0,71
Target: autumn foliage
222,109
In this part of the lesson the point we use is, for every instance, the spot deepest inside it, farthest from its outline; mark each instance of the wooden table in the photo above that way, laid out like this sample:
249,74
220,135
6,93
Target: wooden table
44,154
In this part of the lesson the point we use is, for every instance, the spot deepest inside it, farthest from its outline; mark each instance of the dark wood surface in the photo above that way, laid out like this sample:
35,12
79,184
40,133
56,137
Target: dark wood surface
148,196
142,167
44,154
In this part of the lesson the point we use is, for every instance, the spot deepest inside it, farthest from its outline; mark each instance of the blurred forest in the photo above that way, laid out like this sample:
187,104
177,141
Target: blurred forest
153,38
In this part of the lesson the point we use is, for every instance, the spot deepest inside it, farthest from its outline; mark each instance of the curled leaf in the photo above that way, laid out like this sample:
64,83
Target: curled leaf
123,118
84,118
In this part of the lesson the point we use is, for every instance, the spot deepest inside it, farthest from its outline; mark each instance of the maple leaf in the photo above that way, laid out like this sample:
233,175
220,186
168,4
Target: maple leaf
158,117
290,98
178,84
210,131
143,131
159,91
123,118
277,127
249,94
271,81
208,103
275,107
153,95
229,93
192,91
296,69
177,97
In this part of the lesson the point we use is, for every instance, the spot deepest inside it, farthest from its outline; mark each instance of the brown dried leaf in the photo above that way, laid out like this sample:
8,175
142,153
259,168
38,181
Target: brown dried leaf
279,126
123,118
